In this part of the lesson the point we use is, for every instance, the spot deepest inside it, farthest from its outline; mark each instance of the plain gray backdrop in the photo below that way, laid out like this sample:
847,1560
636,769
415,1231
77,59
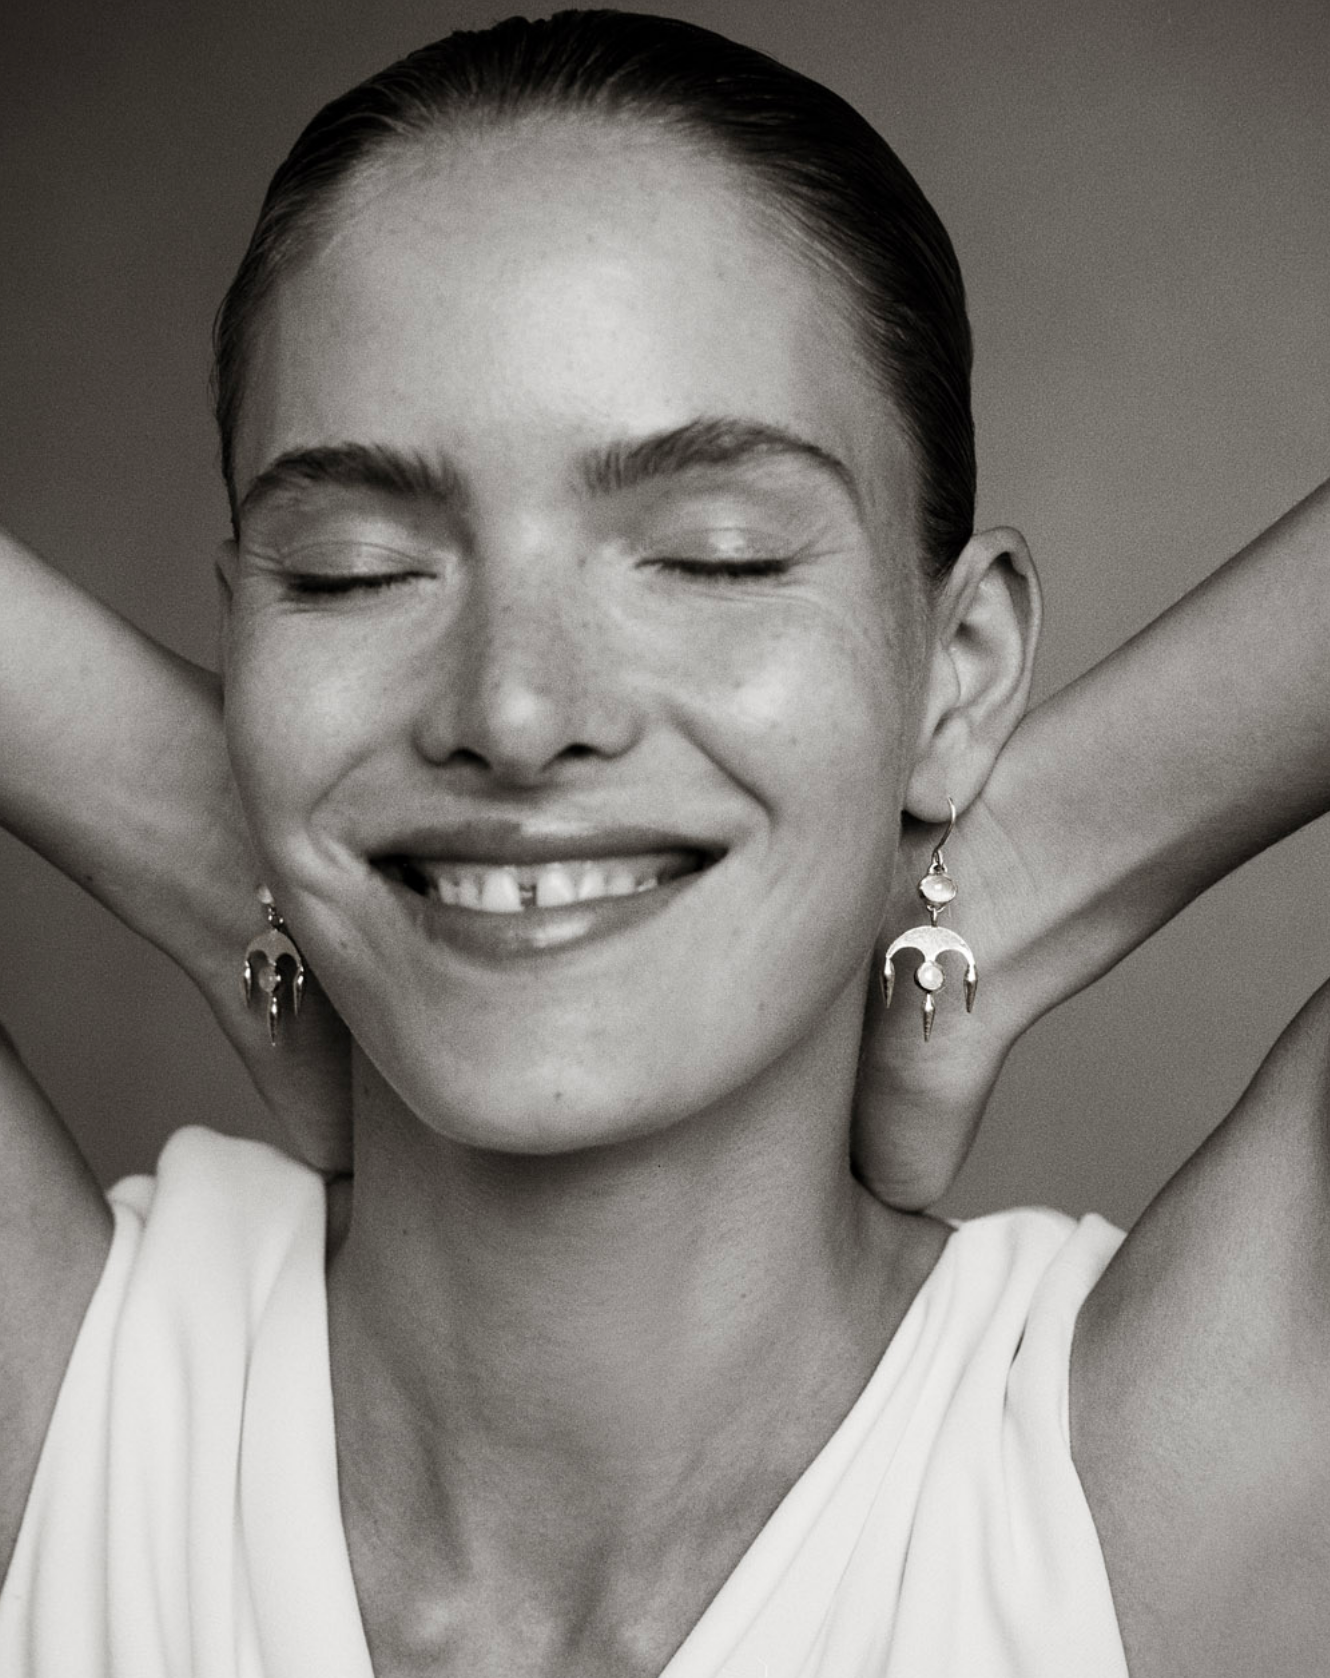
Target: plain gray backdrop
1140,196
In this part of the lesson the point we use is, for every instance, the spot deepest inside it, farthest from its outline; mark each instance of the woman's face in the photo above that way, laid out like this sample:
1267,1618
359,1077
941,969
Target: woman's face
574,658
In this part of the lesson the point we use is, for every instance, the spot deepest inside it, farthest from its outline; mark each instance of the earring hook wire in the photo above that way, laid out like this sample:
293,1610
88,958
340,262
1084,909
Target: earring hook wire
938,863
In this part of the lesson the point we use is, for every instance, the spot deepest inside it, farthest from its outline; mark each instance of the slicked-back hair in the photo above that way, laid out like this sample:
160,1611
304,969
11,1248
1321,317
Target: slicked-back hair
834,185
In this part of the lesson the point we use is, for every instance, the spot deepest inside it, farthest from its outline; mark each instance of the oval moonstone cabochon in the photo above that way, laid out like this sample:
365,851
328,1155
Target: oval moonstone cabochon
937,889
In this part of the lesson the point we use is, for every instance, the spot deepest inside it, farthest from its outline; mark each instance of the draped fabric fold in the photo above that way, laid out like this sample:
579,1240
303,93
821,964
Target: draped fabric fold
184,1518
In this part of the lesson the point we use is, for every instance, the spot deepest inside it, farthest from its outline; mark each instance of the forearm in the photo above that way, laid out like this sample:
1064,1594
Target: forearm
1203,740
112,765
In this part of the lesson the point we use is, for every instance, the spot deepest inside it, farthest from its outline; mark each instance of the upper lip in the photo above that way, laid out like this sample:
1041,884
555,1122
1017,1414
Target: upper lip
499,842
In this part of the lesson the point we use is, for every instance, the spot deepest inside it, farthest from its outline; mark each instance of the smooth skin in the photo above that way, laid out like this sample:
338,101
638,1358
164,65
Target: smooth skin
634,1127
727,1196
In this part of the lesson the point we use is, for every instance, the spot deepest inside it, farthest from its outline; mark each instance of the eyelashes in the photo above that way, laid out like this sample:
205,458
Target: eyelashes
725,570
314,585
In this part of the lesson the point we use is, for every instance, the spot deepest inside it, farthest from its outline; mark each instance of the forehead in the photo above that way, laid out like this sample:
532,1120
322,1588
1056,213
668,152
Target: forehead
510,298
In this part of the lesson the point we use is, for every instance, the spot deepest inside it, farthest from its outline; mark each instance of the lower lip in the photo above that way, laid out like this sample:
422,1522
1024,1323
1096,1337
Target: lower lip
531,932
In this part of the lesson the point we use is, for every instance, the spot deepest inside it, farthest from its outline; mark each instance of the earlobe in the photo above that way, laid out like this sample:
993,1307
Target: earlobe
986,630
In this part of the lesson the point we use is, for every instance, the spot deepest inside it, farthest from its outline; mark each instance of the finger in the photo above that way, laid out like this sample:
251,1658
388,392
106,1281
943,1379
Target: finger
917,1105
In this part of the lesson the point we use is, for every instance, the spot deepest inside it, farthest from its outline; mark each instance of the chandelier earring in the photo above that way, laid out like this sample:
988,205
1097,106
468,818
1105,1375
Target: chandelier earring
938,890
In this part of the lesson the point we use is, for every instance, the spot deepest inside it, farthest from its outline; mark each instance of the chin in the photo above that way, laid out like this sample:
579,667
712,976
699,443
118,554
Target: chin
539,1110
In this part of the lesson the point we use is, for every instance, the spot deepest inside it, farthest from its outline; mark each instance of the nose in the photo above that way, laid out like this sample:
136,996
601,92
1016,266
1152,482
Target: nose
531,677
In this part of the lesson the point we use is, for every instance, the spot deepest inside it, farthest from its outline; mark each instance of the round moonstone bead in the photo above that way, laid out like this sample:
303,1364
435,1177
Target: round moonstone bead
929,976
937,888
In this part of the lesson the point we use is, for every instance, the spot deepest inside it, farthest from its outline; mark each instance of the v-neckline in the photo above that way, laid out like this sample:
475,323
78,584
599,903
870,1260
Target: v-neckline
292,1457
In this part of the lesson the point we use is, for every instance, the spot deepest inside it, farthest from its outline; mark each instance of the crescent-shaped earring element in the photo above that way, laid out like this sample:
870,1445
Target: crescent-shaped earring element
263,967
930,942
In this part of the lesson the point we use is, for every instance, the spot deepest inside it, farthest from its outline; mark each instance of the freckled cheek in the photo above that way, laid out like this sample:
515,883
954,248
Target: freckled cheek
813,724
297,719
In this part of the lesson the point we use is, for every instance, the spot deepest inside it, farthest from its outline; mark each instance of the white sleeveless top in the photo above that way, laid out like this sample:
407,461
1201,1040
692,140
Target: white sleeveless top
184,1520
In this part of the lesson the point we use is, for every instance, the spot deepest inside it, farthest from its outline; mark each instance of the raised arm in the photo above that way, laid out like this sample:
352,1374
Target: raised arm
1199,1381
113,767
1197,744
54,1231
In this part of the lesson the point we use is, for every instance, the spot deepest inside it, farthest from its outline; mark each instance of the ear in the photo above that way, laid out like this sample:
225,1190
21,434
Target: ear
985,629
224,571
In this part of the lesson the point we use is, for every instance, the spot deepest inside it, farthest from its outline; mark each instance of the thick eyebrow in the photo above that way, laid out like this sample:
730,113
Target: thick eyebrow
373,466
604,470
700,444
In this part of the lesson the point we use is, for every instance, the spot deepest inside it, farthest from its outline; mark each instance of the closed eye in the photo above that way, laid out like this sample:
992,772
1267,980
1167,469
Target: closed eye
724,570
311,582
325,566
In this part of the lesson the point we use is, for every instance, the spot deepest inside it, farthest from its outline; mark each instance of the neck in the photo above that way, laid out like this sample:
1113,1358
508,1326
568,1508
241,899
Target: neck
611,1338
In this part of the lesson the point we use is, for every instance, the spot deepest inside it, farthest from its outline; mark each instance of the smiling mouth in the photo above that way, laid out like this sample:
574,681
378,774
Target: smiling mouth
520,888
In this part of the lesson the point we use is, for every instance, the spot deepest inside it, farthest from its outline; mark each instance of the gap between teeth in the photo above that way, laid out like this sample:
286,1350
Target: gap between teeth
508,891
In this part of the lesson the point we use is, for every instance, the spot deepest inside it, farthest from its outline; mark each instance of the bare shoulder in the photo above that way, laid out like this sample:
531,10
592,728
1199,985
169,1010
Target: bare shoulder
55,1229
1201,1386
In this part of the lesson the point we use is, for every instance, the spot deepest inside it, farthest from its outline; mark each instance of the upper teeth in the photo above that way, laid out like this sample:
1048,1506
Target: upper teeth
509,889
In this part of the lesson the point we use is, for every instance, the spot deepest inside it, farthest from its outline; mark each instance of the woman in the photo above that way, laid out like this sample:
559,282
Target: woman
563,571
